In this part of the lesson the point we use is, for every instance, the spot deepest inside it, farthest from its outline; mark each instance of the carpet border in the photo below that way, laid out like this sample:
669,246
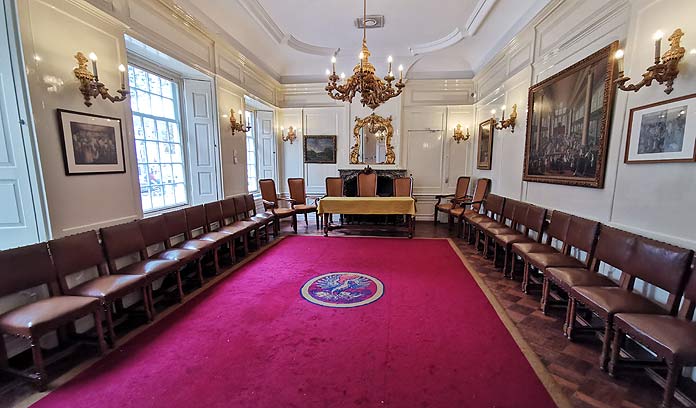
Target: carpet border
75,371
559,397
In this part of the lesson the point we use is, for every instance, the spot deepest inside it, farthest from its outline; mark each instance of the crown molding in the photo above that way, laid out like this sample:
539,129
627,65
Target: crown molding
447,41
263,19
307,48
481,11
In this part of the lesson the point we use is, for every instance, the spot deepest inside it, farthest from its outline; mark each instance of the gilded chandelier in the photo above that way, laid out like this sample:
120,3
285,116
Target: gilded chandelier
373,90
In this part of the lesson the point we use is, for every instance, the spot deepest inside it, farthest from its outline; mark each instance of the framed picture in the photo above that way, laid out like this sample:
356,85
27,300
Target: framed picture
91,144
320,149
662,132
485,145
568,123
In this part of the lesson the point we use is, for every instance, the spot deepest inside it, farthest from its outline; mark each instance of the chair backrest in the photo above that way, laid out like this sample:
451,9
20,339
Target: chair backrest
334,187
26,267
297,190
690,294
76,253
250,204
510,209
403,186
663,265
558,227
495,205
195,218
229,210
614,247
213,214
367,184
268,190
175,223
480,193
462,187
533,220
582,234
240,204
154,230
121,240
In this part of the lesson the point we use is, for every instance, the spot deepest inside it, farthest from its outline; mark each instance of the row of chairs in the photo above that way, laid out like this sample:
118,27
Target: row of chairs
129,258
567,254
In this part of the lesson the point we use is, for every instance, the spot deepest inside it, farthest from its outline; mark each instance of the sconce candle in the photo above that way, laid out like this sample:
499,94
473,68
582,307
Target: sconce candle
658,44
90,87
93,58
619,56
122,70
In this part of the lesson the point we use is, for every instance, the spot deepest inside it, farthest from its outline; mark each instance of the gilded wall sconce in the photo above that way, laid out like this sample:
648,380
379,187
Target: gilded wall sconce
90,87
238,126
664,70
506,123
459,135
290,136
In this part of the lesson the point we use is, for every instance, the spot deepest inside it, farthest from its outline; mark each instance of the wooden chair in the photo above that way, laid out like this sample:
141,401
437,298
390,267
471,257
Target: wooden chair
215,222
494,205
367,184
460,194
334,188
25,268
298,196
403,187
465,216
264,219
671,337
271,202
78,253
253,226
199,229
181,238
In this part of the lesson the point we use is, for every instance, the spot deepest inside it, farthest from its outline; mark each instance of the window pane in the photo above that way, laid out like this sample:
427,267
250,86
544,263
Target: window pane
157,140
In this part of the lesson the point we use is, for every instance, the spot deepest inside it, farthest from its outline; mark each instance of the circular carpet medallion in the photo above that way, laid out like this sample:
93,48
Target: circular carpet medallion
343,289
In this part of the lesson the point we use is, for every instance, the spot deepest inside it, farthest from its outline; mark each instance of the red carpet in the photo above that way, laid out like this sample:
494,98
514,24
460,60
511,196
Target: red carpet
431,340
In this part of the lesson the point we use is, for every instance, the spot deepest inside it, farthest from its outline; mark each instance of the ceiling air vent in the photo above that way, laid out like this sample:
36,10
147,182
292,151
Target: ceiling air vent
372,21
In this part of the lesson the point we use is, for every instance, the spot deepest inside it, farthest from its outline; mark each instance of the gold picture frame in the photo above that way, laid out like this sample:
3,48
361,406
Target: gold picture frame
484,151
374,122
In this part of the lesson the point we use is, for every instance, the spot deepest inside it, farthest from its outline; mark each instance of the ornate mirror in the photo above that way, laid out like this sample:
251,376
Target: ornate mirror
373,136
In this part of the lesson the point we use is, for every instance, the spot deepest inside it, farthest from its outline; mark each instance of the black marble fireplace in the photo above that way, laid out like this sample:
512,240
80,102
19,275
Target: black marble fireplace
385,179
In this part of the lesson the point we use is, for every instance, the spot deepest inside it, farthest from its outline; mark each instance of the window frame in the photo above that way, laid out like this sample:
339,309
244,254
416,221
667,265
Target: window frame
253,137
144,65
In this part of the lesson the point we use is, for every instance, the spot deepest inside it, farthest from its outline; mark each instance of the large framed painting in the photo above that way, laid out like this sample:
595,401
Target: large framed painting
568,123
92,144
320,149
662,132
485,145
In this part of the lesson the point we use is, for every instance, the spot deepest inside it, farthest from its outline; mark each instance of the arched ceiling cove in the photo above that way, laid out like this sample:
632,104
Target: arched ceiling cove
295,39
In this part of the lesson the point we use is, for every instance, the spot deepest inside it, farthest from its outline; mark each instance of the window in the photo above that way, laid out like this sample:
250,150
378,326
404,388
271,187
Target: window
157,126
252,178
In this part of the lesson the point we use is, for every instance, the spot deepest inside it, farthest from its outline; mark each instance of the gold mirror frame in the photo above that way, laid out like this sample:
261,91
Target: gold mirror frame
374,123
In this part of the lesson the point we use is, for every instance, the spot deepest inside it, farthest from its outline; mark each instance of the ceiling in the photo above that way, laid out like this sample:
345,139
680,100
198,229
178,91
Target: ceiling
295,39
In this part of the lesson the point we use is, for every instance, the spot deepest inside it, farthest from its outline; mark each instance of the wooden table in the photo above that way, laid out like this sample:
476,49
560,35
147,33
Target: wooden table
368,206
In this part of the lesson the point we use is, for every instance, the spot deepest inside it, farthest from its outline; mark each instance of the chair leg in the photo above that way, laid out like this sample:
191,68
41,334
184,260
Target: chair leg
606,344
179,285
572,314
110,324
100,330
619,337
318,219
199,270
525,277
257,238
673,373
545,289
146,303
435,216
294,223
233,250
216,261
38,364
513,258
151,298
305,220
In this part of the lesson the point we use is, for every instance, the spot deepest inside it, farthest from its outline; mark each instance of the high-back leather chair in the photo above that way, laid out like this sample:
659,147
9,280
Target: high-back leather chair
298,196
403,187
271,202
80,252
460,193
367,184
28,267
264,219
334,187
199,229
465,216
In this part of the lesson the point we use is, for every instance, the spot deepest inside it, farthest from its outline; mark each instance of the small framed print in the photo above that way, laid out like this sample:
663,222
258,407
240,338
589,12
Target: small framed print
92,144
662,132
320,149
485,145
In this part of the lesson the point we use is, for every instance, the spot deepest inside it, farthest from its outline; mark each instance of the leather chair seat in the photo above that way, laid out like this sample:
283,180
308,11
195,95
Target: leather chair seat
607,301
543,260
213,237
154,268
108,288
444,207
487,222
509,239
196,244
493,230
525,248
177,254
669,336
305,208
262,218
248,224
567,278
233,229
284,212
47,314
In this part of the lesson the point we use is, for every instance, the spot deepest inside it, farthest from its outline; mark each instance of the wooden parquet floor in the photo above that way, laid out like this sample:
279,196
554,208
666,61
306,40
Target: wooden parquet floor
574,365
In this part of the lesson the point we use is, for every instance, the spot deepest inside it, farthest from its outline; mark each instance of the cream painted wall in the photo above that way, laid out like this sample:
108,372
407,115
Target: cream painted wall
232,147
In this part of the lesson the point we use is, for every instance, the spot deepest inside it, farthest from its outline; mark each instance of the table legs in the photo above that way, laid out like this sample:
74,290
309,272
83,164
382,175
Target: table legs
409,221
327,220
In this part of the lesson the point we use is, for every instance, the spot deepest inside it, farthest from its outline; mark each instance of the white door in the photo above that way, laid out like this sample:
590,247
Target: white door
202,143
266,145
18,224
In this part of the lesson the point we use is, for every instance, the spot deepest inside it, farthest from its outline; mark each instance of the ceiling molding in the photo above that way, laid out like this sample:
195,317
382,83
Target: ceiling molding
259,14
481,11
302,46
468,74
450,39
